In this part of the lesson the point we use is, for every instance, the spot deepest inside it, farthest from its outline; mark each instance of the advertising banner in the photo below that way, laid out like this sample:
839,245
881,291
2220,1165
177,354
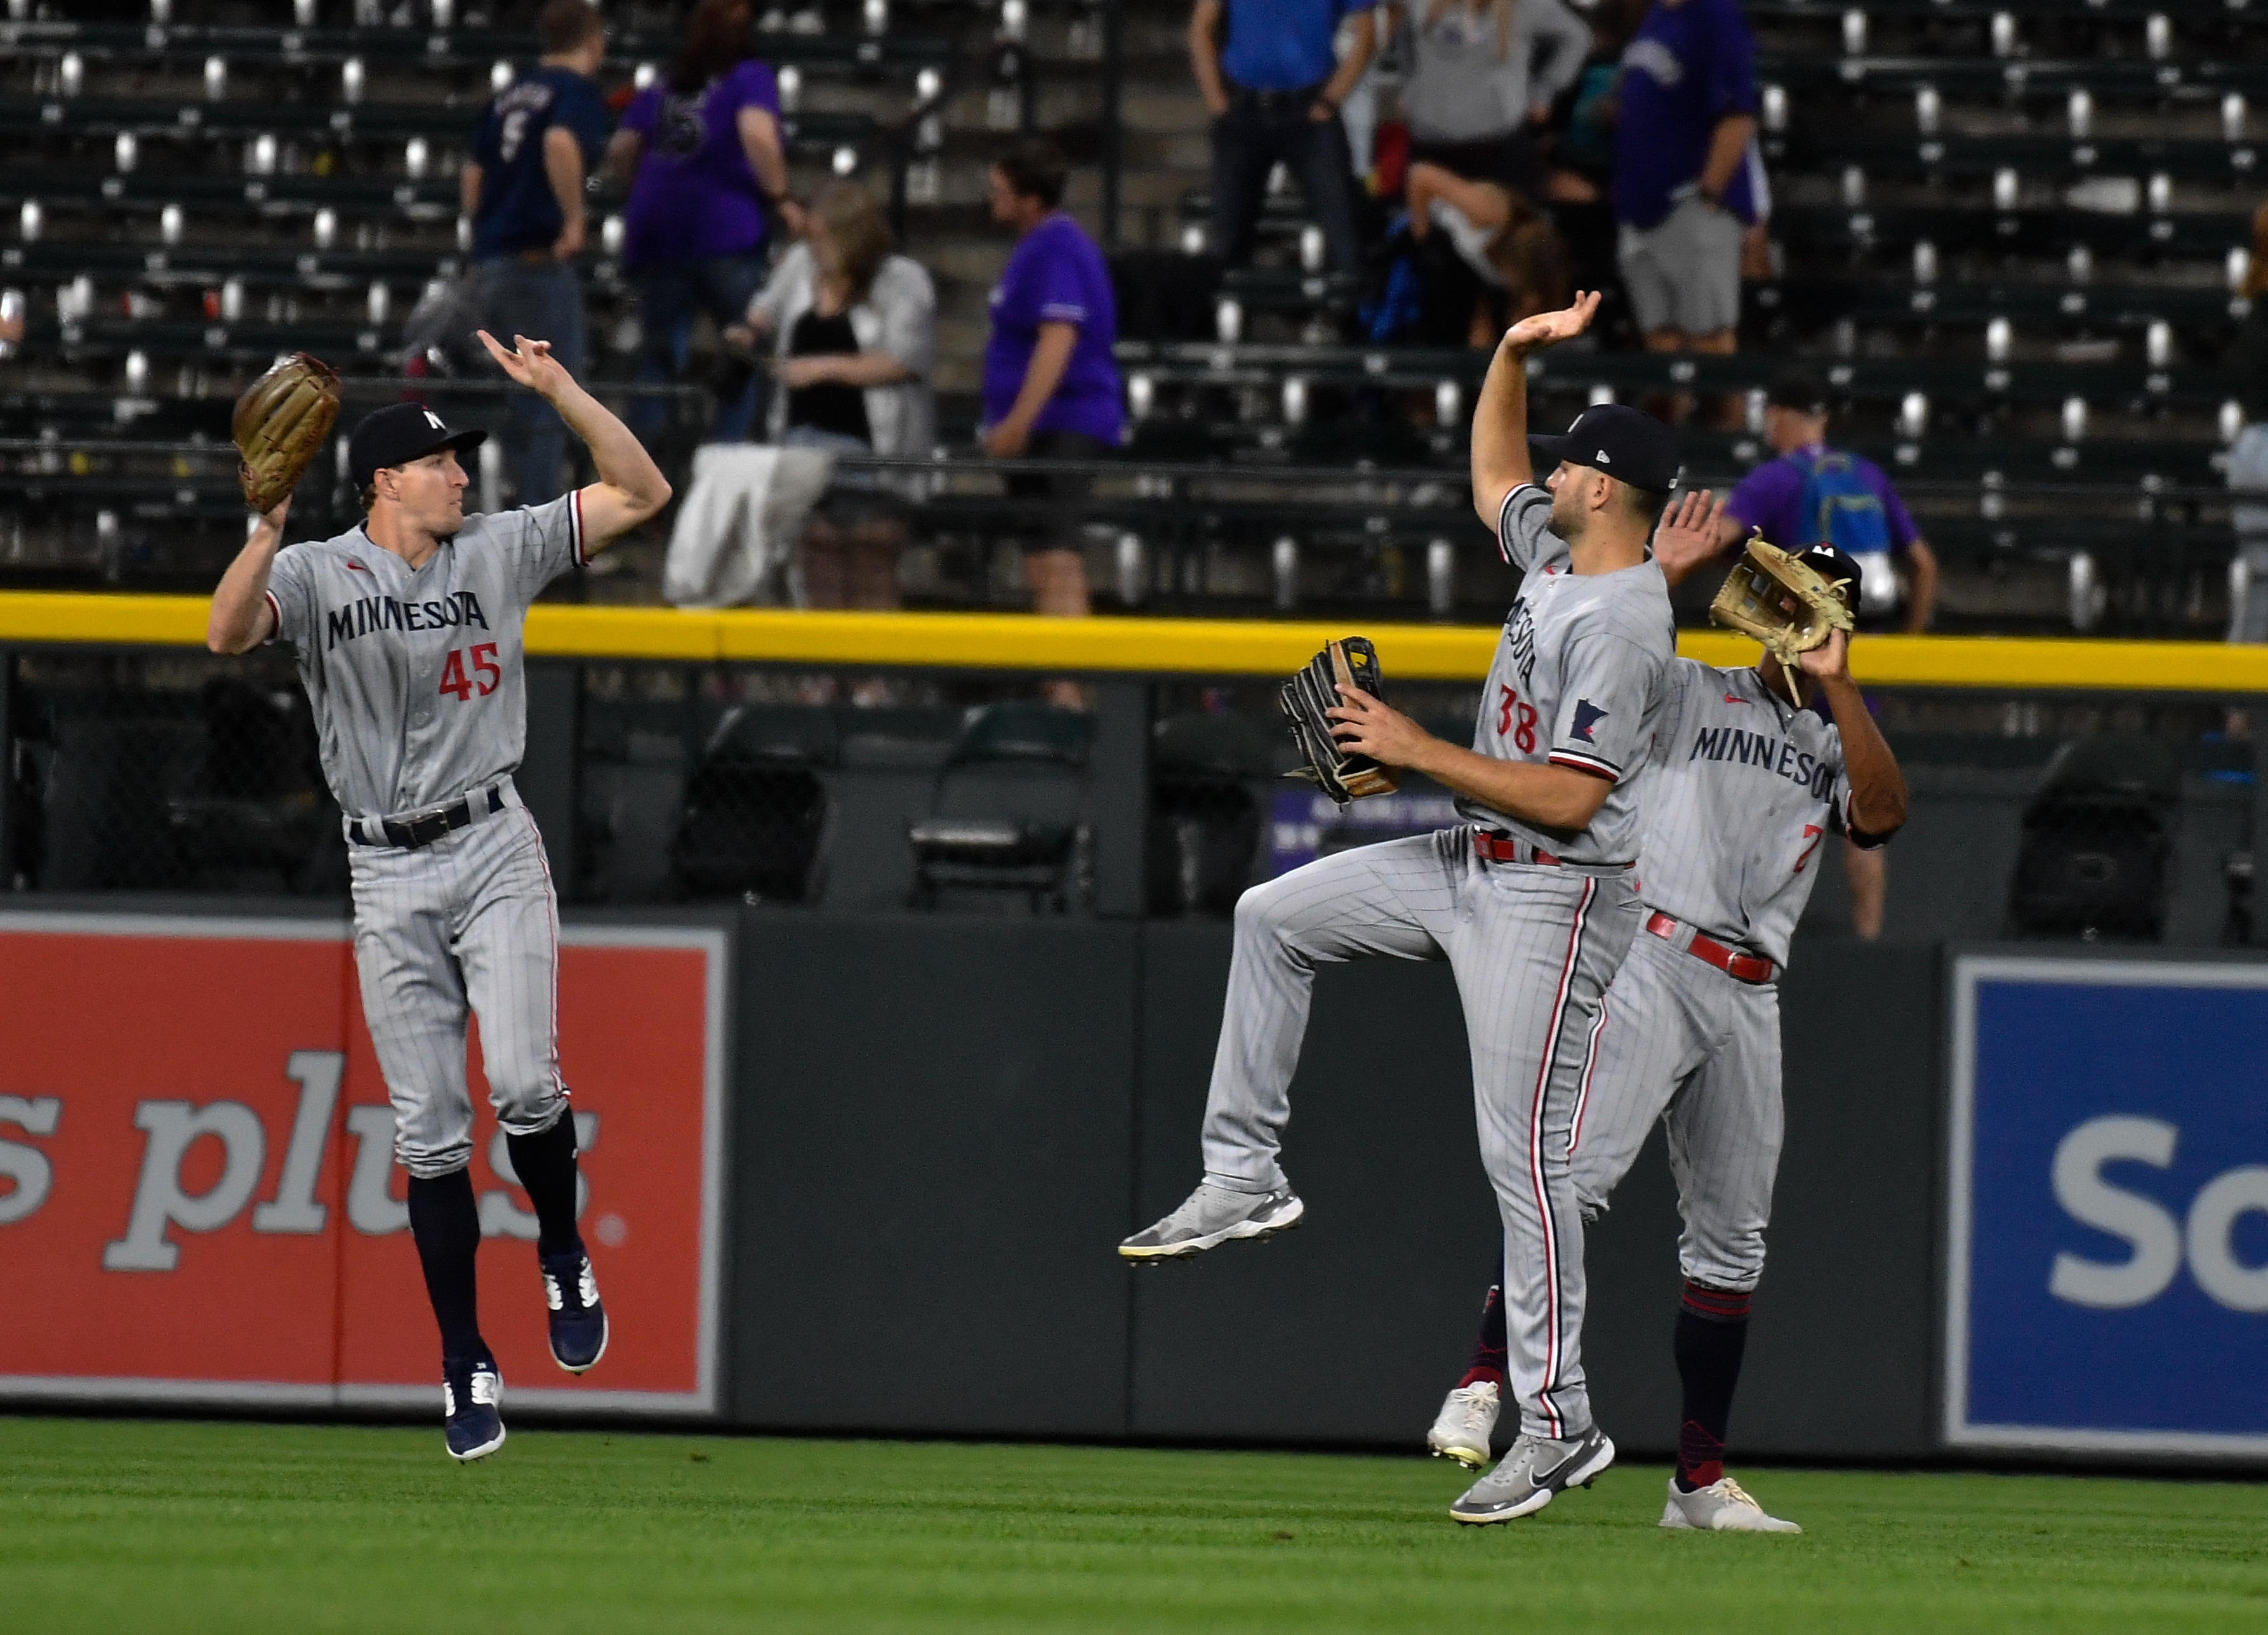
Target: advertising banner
2107,1282
198,1197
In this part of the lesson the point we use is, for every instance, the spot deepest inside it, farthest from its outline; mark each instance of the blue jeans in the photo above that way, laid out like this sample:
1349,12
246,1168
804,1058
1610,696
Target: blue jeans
1247,141
542,301
669,294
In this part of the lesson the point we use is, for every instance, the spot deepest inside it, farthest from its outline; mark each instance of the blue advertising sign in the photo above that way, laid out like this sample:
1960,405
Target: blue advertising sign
2107,1282
1305,824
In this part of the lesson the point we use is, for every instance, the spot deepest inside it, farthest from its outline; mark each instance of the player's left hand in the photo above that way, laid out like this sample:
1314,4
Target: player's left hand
1007,441
1829,661
529,363
1371,727
1687,534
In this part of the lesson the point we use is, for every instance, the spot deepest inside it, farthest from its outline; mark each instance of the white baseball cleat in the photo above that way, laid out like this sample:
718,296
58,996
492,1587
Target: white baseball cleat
1723,1507
1211,1216
1466,1422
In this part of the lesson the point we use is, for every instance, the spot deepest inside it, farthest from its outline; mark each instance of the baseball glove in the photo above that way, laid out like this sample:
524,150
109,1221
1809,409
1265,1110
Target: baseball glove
281,422
1340,773
1785,603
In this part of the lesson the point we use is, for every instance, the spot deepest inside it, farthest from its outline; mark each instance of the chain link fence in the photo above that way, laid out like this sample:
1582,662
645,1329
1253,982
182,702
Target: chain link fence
2056,817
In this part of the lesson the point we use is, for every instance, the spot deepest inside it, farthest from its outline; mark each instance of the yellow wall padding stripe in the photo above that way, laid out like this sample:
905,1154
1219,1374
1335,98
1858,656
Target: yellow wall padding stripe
1417,652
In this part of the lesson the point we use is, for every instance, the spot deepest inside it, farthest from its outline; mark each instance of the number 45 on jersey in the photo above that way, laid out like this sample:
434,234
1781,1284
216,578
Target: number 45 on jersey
457,681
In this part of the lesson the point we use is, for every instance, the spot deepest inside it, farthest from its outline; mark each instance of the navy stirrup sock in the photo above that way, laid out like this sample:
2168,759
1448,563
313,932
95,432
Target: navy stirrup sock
446,1221
1712,1333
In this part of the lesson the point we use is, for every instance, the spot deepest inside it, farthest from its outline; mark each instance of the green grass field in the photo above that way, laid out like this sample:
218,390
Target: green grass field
122,1526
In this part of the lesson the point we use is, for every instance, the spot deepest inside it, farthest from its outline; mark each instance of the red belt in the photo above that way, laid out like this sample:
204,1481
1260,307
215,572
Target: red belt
1748,968
1503,848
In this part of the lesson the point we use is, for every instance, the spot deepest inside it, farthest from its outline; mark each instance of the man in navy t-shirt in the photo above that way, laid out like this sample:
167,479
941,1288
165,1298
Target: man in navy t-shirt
1273,80
1688,181
536,141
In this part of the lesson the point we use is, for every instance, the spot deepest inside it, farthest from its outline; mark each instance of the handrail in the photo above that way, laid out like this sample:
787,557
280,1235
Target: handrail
1023,643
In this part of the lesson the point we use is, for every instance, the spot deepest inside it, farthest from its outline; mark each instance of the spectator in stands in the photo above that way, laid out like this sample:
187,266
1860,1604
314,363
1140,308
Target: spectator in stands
536,141
1482,77
853,333
1810,493
1687,180
1052,387
1274,87
705,146
2248,464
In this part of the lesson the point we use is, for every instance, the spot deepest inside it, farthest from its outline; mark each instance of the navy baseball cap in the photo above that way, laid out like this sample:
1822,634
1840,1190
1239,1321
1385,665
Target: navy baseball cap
1837,567
1626,442
398,434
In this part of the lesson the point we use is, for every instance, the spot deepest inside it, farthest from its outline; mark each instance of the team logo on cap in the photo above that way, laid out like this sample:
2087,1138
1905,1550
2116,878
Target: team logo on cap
435,420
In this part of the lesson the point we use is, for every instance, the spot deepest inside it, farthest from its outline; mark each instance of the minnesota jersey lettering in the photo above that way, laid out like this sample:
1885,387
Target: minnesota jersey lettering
366,613
1768,752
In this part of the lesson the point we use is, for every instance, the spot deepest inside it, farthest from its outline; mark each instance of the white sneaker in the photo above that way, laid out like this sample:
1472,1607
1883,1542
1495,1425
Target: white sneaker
1466,1422
1211,1216
1723,1507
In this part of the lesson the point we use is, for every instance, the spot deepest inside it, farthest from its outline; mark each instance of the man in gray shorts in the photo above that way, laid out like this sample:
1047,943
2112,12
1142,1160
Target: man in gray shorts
1743,791
1531,901
1688,181
408,636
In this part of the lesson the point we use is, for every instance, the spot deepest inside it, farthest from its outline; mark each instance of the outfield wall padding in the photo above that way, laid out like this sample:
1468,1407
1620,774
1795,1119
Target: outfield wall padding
944,1126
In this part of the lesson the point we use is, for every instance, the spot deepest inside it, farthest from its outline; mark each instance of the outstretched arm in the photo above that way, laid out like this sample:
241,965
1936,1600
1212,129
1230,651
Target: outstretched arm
631,487
239,620
1878,789
1500,440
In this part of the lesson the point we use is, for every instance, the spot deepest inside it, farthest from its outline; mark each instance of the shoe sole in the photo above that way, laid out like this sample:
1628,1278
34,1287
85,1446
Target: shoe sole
1583,1475
1289,1217
606,1333
483,1451
1470,1458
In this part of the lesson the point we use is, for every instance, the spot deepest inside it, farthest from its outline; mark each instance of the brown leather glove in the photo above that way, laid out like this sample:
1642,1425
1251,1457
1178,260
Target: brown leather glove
281,422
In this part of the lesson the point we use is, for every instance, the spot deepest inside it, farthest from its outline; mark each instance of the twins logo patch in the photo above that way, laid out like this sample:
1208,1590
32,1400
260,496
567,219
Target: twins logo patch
1588,715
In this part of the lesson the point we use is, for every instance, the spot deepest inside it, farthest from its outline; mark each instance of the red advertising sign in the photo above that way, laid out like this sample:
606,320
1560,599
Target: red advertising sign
198,1197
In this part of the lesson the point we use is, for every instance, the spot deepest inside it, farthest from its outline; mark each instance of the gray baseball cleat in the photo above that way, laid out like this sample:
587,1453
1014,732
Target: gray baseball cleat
1723,1507
1535,1472
1212,1215
1466,1422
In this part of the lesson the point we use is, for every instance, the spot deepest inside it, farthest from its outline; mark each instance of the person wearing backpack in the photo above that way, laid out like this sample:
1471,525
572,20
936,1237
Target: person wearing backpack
1810,493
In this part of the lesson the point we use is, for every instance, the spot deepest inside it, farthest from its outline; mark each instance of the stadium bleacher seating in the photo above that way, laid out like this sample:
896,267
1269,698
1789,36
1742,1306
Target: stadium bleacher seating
2009,236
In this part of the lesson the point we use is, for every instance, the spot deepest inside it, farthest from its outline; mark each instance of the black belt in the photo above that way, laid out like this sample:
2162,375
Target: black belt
426,827
1246,100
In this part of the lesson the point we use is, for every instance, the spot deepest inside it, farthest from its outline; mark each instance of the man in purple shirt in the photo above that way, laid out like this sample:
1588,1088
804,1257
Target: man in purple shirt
1687,177
705,144
1808,492
1052,387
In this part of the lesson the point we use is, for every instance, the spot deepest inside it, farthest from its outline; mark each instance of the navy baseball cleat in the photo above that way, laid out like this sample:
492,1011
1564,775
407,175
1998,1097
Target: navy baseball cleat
470,1391
579,1323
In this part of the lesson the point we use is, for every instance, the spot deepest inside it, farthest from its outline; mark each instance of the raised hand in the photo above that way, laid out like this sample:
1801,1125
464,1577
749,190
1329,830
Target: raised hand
529,363
1549,328
1687,534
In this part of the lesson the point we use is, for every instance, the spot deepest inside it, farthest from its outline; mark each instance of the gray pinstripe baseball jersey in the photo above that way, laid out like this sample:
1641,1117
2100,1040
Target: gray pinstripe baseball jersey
1580,681
1577,679
418,684
1745,790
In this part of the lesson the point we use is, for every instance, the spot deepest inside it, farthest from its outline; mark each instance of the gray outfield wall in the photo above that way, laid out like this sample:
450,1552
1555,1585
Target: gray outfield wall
943,1125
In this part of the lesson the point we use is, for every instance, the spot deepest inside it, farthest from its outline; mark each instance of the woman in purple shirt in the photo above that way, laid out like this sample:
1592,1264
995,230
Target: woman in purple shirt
705,144
1050,383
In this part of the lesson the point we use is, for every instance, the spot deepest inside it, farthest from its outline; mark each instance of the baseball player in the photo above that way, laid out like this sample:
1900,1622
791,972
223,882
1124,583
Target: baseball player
1531,900
407,634
1745,790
